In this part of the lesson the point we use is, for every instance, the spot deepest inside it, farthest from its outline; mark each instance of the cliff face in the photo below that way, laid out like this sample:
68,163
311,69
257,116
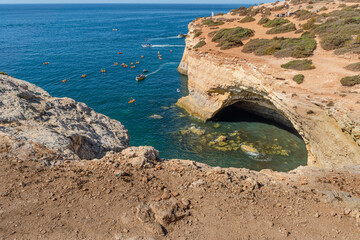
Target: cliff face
68,129
217,80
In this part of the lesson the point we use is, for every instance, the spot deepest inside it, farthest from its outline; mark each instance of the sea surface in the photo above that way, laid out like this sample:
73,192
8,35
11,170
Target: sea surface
82,39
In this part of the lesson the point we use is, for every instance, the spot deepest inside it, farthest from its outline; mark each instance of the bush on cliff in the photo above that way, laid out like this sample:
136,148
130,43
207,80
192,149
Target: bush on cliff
332,42
281,47
231,37
200,44
299,65
3,73
282,29
247,19
276,22
197,34
304,15
353,67
212,23
299,78
263,20
350,81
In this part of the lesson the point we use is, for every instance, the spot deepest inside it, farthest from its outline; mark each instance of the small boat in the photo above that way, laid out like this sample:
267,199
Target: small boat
160,58
65,80
182,36
131,63
147,45
115,63
158,52
114,29
140,77
132,67
171,51
46,63
123,64
159,55
142,56
178,90
137,62
83,76
120,53
103,70
131,100
145,71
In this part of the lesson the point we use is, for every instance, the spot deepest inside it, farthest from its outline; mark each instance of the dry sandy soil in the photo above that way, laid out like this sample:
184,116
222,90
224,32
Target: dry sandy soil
116,198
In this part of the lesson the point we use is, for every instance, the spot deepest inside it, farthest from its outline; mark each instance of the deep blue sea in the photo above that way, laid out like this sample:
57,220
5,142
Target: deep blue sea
80,39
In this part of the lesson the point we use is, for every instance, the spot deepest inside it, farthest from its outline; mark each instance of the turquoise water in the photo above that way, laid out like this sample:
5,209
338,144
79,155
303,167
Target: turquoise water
79,39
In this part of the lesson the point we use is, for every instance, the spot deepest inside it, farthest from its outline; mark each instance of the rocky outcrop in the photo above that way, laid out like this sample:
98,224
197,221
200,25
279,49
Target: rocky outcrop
69,129
217,80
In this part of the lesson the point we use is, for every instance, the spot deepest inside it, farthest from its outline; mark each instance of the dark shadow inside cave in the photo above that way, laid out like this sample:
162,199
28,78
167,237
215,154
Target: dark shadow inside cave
245,111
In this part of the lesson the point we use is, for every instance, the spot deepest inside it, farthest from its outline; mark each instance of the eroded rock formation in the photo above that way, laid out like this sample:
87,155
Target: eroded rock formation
328,123
71,130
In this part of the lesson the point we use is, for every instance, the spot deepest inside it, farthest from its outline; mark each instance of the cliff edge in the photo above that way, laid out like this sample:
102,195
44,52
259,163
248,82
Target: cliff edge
249,57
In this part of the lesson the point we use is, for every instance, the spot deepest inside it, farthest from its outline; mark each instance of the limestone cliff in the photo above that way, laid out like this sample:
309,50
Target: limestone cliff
217,79
71,130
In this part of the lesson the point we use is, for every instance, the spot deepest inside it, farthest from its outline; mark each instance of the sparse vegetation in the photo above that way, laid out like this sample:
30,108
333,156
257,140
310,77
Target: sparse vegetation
299,65
282,29
353,67
231,37
281,47
332,42
323,9
247,19
212,23
200,44
263,20
350,81
219,14
197,34
3,73
276,22
305,14
299,78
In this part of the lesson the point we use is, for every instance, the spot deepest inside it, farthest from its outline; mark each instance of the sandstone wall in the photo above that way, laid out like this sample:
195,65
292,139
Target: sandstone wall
217,81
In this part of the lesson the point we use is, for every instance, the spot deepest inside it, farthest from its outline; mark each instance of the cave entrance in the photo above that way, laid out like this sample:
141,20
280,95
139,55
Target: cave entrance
249,111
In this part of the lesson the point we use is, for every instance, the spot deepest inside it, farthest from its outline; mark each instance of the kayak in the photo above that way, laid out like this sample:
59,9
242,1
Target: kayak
83,76
46,63
131,101
115,64
145,71
65,80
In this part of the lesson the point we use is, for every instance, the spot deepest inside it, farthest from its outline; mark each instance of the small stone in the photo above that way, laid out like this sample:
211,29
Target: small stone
317,215
119,173
125,230
347,211
333,214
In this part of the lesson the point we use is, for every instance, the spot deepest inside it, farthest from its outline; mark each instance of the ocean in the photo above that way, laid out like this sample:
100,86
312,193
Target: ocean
81,39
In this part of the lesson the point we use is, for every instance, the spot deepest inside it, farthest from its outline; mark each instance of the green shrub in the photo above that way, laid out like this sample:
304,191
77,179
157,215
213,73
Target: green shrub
342,5
350,81
308,34
353,67
332,42
247,19
357,39
299,65
263,20
200,44
323,9
276,22
309,24
299,30
231,37
3,73
219,14
309,7
282,29
305,14
197,34
281,47
211,23
299,78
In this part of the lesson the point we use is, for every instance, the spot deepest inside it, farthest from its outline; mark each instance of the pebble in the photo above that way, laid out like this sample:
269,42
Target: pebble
317,215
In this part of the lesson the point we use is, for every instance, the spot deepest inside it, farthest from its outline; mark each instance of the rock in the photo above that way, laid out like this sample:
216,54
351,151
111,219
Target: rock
155,116
249,149
221,139
119,173
198,183
317,215
70,129
143,156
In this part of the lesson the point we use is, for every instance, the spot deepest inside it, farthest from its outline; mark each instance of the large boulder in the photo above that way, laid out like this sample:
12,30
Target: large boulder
69,128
